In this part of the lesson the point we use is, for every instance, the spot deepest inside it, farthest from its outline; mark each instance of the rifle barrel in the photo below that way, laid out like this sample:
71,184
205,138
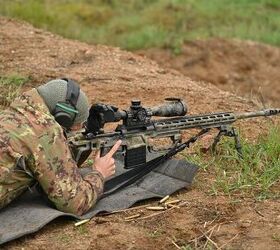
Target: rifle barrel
266,112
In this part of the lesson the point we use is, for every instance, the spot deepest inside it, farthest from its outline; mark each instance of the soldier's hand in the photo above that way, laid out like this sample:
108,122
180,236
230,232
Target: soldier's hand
106,164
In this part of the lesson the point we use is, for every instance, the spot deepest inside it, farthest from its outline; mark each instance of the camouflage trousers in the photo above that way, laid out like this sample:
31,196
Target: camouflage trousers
12,184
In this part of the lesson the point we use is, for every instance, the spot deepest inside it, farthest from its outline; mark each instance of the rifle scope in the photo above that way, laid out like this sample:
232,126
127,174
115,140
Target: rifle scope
138,116
135,117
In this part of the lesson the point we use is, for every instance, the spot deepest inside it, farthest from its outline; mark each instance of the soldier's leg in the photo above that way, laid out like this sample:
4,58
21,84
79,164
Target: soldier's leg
12,186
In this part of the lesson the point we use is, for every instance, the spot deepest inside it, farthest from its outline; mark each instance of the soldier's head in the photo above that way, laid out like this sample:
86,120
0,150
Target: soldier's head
66,102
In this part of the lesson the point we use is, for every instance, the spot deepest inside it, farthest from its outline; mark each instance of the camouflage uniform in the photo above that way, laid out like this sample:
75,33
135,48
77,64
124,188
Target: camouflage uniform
33,149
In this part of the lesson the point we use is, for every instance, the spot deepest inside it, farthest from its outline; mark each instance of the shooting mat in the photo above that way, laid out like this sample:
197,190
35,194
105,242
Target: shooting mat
31,212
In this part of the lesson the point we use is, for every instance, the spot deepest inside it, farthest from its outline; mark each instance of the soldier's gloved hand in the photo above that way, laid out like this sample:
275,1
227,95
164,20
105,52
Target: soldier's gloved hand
106,164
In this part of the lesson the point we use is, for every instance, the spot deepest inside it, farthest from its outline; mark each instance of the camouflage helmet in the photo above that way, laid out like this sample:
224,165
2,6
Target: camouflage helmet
55,91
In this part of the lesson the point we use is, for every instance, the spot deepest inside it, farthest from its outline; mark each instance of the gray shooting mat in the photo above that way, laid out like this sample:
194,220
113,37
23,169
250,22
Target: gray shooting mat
31,212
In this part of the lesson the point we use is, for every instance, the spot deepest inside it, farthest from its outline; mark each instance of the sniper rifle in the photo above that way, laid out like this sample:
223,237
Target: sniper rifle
138,126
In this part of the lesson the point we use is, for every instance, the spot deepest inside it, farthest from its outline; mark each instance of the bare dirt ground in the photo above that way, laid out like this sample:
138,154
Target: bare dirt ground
114,76
247,68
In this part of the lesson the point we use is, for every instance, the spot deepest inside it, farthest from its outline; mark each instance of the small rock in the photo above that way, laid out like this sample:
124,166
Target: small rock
245,223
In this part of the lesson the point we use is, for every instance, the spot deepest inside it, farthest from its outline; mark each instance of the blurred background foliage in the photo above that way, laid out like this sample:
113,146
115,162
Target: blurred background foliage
140,24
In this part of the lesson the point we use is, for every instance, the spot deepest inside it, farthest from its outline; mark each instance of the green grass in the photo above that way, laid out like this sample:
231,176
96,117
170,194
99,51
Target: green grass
139,24
10,88
256,175
276,237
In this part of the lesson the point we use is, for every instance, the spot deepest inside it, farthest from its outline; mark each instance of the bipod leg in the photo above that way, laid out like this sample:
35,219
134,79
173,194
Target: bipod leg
238,145
216,140
226,130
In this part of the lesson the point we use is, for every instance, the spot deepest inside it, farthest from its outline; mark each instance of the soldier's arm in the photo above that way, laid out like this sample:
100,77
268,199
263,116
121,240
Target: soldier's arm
59,177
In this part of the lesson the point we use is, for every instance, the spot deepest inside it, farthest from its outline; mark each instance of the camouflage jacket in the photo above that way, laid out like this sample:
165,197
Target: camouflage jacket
33,149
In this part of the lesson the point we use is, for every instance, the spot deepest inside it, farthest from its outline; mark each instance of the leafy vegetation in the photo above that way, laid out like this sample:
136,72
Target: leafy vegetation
257,174
138,24
10,87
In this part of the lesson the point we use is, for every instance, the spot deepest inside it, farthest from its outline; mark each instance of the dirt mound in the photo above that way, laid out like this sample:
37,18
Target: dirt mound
114,76
245,68
107,74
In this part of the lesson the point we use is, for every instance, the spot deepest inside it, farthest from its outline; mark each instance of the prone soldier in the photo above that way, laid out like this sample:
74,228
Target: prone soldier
34,149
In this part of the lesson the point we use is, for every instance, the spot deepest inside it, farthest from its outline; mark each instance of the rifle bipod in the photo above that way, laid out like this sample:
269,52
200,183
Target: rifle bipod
229,131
